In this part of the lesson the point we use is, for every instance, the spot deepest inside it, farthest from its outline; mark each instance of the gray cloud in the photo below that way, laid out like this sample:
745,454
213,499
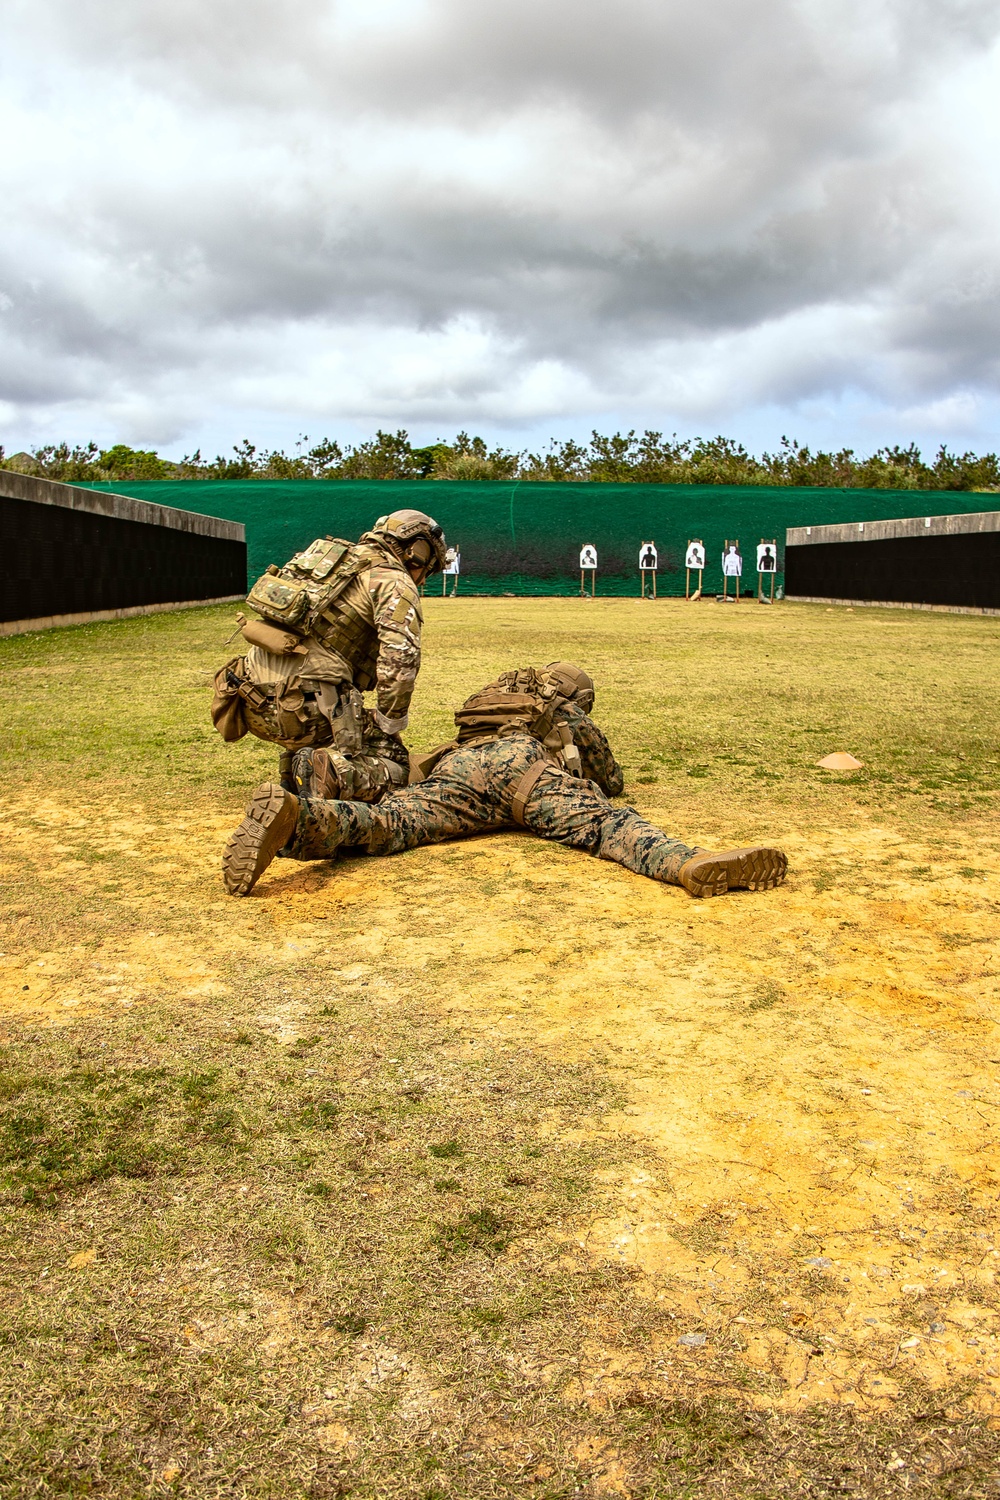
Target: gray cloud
455,211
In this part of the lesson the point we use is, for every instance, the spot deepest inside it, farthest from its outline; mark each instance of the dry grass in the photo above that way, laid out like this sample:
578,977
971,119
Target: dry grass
407,1177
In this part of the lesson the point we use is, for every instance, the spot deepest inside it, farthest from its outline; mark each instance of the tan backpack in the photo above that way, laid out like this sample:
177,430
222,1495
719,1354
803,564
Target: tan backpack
521,702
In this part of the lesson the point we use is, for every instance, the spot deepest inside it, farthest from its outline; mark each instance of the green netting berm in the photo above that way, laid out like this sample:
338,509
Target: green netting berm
525,538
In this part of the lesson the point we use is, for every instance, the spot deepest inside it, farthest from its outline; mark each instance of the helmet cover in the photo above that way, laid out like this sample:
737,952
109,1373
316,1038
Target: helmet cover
573,682
402,528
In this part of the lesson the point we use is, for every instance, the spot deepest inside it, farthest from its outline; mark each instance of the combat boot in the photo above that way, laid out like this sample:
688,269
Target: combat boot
269,825
315,775
756,869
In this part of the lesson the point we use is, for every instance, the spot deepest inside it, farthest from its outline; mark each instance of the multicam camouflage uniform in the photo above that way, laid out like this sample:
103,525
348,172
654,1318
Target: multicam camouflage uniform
312,696
472,790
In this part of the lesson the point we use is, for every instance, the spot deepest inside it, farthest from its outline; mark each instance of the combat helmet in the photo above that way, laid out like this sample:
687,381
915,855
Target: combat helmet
416,537
573,682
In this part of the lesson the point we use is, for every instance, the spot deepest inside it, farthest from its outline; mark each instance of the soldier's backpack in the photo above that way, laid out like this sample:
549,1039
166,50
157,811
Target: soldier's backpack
296,596
517,703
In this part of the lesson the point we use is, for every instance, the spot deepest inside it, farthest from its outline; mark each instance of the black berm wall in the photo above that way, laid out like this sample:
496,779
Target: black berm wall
68,553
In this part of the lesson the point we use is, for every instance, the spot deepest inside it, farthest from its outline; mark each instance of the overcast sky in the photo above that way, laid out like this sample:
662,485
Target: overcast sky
267,217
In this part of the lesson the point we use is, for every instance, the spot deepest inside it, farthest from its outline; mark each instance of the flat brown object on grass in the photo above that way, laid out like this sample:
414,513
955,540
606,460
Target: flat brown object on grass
840,760
408,1176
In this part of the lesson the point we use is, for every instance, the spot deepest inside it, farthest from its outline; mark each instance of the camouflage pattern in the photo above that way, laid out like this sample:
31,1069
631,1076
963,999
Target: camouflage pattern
386,600
596,757
471,790
381,765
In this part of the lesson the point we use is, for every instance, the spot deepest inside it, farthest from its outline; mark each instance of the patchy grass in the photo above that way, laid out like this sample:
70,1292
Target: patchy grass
493,1170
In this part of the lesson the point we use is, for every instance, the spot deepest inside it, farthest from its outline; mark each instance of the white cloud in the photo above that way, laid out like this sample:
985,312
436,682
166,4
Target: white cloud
447,212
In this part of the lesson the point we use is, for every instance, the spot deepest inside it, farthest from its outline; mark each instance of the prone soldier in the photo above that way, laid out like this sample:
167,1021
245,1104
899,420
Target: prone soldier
527,753
339,619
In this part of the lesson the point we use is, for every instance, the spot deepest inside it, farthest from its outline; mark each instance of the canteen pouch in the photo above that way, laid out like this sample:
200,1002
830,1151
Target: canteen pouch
270,638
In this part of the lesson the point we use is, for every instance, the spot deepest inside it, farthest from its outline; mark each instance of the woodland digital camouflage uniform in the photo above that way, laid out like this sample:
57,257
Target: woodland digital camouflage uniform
471,790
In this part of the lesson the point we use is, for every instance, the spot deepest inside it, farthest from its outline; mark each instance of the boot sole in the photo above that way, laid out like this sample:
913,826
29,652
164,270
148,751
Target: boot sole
269,824
756,869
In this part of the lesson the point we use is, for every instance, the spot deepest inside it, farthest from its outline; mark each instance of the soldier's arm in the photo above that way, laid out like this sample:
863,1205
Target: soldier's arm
596,756
398,618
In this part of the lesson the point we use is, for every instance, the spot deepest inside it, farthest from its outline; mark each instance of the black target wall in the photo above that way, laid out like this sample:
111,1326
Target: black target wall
942,562
72,555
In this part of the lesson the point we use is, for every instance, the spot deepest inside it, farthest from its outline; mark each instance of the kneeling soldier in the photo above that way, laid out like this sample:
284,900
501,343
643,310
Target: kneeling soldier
527,753
337,620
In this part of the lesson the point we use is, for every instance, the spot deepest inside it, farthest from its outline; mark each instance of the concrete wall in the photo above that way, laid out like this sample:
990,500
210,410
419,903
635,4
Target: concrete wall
72,555
924,562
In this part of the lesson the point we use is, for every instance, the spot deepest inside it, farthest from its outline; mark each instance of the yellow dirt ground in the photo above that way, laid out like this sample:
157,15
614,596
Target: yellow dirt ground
812,1074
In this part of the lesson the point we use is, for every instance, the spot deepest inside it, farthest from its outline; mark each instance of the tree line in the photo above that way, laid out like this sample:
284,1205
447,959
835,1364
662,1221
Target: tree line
624,458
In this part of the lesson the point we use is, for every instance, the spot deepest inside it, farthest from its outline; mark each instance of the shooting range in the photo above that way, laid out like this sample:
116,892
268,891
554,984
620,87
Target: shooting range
521,539
755,1123
648,564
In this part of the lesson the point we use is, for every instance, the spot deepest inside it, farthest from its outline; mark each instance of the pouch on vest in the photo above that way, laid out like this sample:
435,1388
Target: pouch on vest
270,638
279,600
320,558
299,595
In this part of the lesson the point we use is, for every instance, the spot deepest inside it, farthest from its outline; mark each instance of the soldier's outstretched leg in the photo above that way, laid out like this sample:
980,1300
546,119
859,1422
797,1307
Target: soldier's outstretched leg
575,812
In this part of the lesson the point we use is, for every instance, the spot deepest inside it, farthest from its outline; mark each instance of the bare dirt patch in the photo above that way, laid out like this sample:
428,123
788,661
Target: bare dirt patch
735,1152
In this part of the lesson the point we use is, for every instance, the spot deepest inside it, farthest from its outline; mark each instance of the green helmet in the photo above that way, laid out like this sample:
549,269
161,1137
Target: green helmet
405,530
572,681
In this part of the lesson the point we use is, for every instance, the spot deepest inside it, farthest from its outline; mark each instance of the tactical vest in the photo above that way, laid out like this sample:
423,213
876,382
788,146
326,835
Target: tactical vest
306,597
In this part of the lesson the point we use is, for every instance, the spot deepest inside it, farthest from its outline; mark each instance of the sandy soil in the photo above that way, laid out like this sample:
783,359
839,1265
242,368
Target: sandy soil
811,1075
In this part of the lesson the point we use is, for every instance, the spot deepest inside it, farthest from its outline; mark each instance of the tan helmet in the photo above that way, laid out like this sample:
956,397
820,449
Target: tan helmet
417,538
573,682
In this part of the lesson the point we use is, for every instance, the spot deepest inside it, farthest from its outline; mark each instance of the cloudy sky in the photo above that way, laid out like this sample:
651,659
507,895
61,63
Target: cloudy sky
267,217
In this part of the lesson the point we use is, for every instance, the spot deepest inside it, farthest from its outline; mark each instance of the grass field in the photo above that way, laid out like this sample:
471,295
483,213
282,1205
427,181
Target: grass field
493,1170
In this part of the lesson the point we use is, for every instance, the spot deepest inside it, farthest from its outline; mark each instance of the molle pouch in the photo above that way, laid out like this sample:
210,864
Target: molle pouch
318,561
279,600
291,712
270,638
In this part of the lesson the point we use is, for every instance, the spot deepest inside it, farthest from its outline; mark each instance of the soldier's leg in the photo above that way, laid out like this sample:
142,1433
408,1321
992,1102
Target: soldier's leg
577,813
468,793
